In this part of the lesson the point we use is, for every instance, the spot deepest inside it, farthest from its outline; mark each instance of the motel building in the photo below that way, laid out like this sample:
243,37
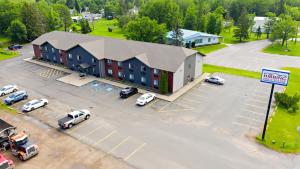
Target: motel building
133,62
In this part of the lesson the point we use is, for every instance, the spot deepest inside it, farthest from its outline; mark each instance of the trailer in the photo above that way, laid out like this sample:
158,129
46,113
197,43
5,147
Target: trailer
6,131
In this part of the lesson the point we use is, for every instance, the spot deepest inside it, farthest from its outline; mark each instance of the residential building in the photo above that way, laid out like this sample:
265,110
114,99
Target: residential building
259,21
139,63
195,37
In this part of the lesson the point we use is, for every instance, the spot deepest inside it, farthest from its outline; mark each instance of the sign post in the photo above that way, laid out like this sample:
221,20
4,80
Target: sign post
274,77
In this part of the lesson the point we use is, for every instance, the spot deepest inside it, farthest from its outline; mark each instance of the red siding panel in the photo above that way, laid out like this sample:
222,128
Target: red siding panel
170,81
37,51
64,57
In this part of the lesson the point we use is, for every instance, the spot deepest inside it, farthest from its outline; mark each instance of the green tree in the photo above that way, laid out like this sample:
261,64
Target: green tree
70,4
284,28
17,31
281,7
212,23
33,19
145,29
177,34
163,84
85,26
190,20
64,15
111,8
77,6
8,12
269,23
244,23
164,11
258,32
51,17
202,10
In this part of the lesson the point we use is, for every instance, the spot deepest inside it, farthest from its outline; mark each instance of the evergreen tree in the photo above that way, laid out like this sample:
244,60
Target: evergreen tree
244,23
85,26
212,23
64,15
70,4
281,7
258,32
177,36
190,20
77,6
163,84
270,21
17,31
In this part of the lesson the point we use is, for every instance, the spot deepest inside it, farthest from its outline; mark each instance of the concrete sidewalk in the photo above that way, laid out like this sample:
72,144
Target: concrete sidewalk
74,79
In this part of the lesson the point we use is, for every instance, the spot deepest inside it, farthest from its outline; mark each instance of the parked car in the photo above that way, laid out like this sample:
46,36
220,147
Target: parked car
73,118
145,98
215,80
34,104
8,89
15,97
128,91
6,163
15,47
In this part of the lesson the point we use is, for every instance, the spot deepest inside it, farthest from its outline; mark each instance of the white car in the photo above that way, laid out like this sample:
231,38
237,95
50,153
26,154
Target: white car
215,80
34,104
145,98
8,89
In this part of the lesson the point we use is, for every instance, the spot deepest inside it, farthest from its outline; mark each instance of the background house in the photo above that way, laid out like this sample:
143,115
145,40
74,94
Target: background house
199,38
259,21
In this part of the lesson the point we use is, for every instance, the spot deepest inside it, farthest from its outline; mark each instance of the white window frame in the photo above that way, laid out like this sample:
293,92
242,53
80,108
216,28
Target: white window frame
208,40
93,60
109,61
155,82
46,48
143,79
78,57
53,50
155,71
70,56
119,64
109,71
143,68
120,74
131,76
129,66
94,70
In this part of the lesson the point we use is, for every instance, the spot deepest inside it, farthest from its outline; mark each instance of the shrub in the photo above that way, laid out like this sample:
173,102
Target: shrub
288,102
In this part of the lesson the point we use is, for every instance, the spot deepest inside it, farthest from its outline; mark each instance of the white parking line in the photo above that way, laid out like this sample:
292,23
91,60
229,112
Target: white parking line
257,101
104,138
90,132
135,151
259,107
190,100
254,112
118,145
78,127
249,118
245,125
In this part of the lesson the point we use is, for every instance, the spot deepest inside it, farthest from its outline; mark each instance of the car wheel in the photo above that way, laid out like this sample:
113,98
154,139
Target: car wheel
87,117
14,90
45,104
20,157
70,125
2,94
25,97
32,109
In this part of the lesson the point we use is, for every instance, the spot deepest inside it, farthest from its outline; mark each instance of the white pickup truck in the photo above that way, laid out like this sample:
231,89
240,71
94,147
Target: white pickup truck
73,118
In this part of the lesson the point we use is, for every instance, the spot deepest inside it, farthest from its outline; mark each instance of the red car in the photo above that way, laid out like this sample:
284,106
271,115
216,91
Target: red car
6,163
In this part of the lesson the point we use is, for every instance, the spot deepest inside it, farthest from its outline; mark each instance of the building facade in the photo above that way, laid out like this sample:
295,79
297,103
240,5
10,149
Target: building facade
136,63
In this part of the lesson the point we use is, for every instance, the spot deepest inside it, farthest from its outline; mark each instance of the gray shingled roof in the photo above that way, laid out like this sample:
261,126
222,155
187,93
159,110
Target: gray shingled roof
164,57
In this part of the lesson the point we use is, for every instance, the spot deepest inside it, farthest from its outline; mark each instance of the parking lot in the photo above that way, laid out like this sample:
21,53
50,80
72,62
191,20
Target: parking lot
205,125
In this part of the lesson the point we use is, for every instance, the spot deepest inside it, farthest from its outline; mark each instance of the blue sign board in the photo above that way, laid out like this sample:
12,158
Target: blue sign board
274,76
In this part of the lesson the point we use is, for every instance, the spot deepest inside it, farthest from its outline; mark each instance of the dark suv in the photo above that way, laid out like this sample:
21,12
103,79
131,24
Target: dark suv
128,91
15,47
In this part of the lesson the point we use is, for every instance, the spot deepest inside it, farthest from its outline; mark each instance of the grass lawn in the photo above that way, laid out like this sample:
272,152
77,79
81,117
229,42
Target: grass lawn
282,126
5,54
293,49
210,48
212,69
101,29
7,108
228,37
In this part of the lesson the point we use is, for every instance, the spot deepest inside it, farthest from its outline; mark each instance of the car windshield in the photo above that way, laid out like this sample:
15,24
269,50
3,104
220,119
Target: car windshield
22,142
69,115
12,96
28,104
142,98
3,89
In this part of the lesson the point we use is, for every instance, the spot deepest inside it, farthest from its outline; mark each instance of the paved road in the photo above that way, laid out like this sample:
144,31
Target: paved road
249,56
204,129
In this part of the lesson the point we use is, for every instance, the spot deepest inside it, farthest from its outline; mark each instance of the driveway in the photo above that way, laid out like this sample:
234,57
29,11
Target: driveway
248,56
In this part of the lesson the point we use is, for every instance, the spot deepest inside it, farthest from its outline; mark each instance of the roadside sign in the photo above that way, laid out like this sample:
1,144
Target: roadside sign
274,76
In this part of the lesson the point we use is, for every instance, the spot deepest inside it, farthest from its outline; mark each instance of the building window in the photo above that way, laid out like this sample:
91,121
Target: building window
46,49
94,70
143,69
54,58
70,56
60,59
155,71
208,39
130,66
143,80
53,50
197,41
119,64
93,60
78,57
131,77
109,61
59,51
155,83
109,71
120,74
